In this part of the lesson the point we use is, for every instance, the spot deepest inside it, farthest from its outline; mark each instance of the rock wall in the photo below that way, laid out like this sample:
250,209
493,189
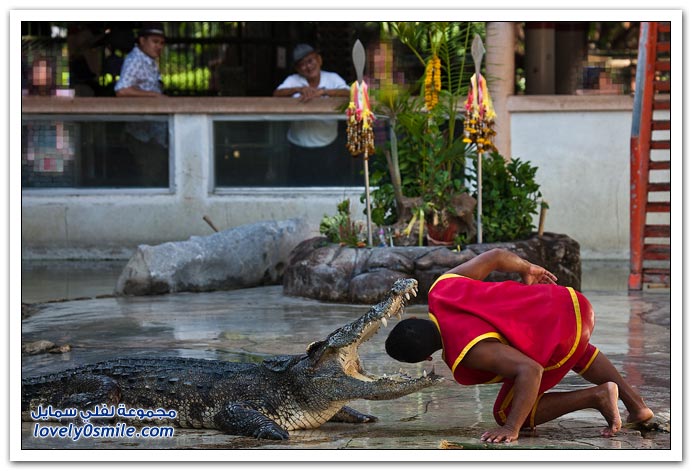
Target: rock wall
242,257
320,270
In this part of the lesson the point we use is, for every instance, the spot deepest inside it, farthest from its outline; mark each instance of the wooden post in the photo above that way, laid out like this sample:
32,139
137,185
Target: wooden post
207,219
541,219
477,52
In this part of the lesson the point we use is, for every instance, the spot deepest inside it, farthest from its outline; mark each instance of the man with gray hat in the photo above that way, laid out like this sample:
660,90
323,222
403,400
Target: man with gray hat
310,82
313,143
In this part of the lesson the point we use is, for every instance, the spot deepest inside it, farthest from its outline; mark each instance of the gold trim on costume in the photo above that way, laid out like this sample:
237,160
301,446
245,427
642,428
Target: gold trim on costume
473,342
588,365
532,415
445,276
505,403
442,340
577,312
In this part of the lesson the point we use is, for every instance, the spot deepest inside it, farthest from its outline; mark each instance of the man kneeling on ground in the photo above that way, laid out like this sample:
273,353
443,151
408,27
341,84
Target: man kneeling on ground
527,335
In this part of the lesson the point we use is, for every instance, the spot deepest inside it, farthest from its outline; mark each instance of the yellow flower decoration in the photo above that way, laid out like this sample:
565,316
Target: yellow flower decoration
433,82
480,116
360,138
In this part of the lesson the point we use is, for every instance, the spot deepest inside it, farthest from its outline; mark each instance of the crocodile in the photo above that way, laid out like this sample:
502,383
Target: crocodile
263,400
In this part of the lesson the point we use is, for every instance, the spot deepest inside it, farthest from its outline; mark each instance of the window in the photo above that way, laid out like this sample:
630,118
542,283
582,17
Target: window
260,154
58,152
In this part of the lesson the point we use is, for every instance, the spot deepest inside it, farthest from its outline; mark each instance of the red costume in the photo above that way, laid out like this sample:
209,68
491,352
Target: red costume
550,324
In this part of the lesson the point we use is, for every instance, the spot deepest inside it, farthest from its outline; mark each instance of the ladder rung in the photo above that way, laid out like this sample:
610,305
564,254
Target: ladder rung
660,125
662,253
663,46
658,270
664,27
662,85
656,276
658,207
662,65
657,230
660,145
661,105
659,164
660,186
657,248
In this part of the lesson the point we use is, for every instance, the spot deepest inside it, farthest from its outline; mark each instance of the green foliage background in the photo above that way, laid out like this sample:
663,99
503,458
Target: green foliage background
510,198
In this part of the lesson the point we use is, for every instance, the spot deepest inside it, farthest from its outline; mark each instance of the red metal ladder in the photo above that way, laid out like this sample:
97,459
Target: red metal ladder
650,161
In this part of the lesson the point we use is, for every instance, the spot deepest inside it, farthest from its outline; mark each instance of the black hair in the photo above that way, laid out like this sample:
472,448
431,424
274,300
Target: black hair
412,340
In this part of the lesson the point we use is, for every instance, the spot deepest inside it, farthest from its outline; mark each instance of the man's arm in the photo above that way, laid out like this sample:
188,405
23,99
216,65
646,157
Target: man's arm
482,265
283,92
308,93
508,362
338,92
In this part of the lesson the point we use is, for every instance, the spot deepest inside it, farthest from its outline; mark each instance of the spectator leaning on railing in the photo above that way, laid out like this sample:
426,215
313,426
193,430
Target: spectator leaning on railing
140,77
311,140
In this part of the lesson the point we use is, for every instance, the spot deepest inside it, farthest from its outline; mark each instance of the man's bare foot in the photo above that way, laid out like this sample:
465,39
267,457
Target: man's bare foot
640,416
608,407
500,434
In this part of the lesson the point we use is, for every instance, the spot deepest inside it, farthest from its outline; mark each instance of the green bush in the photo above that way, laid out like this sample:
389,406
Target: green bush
510,198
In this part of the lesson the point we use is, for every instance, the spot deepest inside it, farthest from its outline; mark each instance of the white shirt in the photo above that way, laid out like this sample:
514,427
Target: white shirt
314,133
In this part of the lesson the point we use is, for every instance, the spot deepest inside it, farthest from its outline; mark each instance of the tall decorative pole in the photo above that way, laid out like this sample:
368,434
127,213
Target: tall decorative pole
359,116
478,123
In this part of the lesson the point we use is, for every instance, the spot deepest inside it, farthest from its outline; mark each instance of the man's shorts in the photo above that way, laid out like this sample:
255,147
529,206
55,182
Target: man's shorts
579,362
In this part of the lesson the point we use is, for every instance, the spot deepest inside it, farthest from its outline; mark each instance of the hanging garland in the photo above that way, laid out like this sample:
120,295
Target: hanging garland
360,138
480,116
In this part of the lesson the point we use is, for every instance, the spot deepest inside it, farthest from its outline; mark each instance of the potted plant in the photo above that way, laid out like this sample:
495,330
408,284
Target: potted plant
341,229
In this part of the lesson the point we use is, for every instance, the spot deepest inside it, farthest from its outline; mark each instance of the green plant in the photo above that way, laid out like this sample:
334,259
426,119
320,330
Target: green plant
436,163
426,158
341,229
510,198
443,48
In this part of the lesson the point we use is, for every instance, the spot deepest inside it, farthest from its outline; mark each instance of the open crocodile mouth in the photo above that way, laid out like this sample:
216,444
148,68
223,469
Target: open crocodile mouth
368,325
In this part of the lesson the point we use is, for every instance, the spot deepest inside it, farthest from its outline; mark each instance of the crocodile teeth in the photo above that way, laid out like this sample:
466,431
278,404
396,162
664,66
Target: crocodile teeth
398,315
425,374
408,296
384,321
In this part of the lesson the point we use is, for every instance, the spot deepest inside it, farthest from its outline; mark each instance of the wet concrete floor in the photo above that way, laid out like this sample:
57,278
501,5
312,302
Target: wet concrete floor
633,330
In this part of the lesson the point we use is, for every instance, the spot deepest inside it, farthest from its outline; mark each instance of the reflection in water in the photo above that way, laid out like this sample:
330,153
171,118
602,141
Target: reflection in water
635,341
249,325
47,280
